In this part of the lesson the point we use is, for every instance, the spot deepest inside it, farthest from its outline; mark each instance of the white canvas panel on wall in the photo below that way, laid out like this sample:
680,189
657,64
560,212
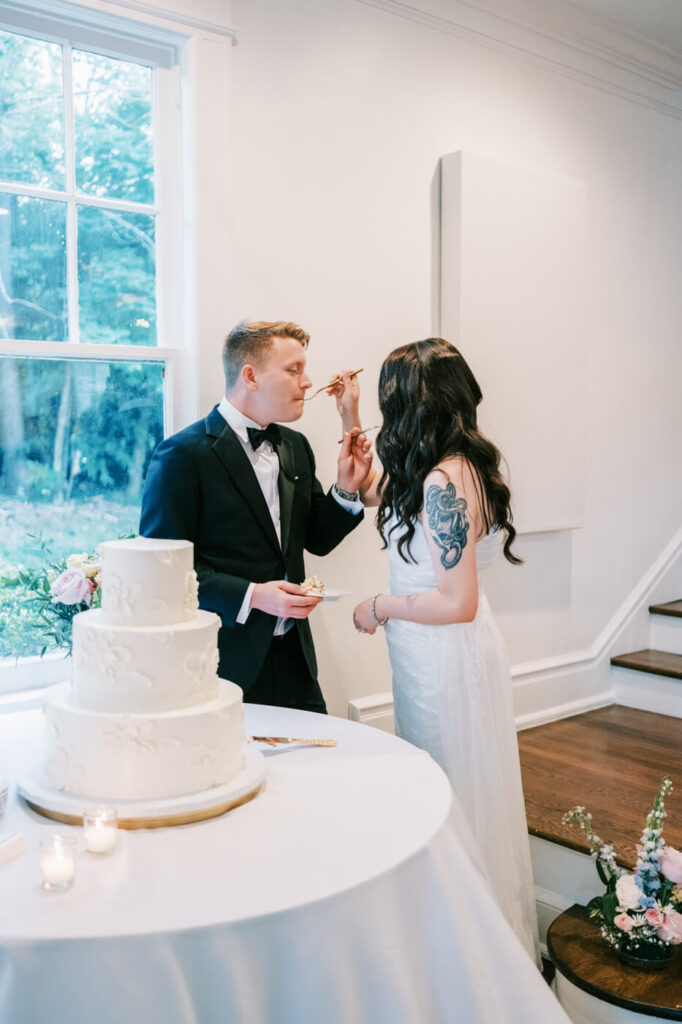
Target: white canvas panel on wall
513,300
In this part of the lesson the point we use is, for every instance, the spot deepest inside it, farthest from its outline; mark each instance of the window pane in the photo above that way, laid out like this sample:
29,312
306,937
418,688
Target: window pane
75,441
116,277
31,111
32,268
113,127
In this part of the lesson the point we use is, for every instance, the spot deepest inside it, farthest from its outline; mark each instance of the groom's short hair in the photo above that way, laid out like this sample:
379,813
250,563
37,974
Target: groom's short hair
249,342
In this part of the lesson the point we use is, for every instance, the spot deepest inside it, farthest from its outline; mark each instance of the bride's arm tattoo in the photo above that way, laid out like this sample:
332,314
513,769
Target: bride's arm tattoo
448,522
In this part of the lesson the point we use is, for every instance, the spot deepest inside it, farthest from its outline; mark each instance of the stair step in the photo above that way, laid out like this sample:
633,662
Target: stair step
583,959
673,608
610,761
658,663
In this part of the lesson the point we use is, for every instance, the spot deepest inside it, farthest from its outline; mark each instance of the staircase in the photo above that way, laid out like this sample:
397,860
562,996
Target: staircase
651,679
609,760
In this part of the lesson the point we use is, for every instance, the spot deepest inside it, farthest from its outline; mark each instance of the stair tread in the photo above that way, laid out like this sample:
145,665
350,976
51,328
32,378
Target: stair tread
582,956
660,663
610,761
673,608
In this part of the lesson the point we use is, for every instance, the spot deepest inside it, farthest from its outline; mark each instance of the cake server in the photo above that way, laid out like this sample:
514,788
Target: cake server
274,740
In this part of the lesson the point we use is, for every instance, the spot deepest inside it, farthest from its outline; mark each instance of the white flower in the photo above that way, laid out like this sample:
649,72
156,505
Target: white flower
628,892
83,562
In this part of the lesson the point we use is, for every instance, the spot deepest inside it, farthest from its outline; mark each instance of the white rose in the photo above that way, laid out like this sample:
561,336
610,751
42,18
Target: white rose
84,563
77,561
628,892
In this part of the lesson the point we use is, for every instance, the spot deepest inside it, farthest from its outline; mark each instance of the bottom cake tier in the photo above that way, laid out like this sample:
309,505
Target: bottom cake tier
141,756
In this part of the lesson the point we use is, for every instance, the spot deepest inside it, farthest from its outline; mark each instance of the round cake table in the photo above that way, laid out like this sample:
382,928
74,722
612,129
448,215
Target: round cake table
341,894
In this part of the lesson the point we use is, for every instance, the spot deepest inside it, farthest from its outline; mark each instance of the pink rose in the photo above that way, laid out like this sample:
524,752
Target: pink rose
671,929
653,917
670,864
624,922
71,587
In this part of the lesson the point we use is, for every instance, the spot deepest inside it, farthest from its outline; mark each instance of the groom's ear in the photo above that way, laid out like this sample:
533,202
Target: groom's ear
248,375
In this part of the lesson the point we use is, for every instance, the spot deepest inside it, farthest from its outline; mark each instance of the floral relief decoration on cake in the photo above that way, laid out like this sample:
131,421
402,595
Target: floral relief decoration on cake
191,596
210,763
202,666
64,772
118,597
103,655
127,733
168,556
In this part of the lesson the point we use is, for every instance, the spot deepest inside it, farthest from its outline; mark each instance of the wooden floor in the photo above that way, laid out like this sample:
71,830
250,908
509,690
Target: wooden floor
610,761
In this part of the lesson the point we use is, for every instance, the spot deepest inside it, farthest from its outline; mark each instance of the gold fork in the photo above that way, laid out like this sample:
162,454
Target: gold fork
338,380
365,430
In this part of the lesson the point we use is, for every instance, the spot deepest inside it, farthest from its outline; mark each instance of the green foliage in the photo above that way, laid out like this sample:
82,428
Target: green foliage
63,529
52,620
595,909
75,436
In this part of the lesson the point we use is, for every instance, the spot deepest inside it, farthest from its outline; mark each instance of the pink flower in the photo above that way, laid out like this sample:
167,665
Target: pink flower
624,922
71,587
653,917
670,864
671,929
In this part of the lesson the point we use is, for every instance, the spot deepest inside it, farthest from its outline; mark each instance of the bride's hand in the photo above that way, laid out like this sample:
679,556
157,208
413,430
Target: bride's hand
363,620
347,395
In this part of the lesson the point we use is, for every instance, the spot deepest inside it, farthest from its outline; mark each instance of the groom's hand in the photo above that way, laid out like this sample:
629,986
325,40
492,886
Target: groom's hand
355,460
284,599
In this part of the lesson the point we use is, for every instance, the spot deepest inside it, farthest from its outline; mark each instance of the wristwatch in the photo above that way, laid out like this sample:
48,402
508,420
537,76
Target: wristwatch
346,495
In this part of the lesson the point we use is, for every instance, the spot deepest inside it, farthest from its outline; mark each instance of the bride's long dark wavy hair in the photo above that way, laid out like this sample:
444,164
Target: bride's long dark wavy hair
428,397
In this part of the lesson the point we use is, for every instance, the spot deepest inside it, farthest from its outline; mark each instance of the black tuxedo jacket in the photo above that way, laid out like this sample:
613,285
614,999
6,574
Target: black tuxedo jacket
201,487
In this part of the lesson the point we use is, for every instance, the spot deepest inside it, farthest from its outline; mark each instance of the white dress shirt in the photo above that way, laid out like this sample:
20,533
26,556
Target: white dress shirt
266,467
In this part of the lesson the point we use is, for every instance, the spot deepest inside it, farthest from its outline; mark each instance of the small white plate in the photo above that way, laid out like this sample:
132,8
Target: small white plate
333,595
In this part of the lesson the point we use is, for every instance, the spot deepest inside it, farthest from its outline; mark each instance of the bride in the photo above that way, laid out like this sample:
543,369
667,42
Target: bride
444,515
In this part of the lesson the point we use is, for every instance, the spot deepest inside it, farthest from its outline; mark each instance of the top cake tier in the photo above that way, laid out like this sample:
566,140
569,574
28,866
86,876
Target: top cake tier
148,582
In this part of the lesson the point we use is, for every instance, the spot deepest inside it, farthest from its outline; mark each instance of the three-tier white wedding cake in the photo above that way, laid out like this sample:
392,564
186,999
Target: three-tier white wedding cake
144,715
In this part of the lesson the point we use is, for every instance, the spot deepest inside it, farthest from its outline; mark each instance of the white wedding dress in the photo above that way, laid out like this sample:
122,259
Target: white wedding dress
452,697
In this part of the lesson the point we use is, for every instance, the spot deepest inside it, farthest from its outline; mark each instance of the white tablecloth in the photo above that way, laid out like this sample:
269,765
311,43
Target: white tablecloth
340,895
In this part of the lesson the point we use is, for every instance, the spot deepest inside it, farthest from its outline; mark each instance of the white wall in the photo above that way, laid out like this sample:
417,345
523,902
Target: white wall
339,115
313,150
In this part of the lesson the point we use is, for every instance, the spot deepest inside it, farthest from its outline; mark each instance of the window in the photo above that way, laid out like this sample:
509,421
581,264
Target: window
88,299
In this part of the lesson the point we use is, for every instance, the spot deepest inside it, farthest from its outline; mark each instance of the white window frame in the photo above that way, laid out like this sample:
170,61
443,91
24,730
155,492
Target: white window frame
178,91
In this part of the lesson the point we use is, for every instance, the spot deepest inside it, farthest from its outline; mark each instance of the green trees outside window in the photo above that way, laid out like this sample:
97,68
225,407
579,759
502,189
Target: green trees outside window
77,264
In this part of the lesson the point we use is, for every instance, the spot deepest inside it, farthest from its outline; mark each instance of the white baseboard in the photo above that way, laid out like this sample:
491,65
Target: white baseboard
553,714
376,710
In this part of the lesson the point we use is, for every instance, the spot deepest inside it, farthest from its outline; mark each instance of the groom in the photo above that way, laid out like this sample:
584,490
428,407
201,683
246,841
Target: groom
244,491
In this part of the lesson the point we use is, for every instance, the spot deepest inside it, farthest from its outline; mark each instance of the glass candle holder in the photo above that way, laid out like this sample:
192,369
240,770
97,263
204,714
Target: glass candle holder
99,827
58,861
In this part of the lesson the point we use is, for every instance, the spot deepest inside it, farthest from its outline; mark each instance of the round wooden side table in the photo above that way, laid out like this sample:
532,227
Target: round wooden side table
595,987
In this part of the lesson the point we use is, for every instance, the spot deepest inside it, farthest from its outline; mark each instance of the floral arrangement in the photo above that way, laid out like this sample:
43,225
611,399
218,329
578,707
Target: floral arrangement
57,592
641,911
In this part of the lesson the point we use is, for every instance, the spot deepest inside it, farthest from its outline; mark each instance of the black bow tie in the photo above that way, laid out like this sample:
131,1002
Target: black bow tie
270,433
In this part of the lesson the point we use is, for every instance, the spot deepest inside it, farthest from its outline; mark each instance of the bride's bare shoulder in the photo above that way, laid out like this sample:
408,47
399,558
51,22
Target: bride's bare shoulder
452,469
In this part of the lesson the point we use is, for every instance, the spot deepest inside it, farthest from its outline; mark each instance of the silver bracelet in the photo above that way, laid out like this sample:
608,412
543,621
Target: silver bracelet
379,622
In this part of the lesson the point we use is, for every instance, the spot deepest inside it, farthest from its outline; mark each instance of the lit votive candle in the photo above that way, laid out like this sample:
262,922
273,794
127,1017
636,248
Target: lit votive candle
58,862
99,826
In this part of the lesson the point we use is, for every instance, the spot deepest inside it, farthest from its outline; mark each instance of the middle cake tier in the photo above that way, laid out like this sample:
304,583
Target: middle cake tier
143,668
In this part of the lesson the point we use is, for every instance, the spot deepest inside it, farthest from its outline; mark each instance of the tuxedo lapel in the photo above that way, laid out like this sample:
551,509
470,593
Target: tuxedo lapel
234,459
287,488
